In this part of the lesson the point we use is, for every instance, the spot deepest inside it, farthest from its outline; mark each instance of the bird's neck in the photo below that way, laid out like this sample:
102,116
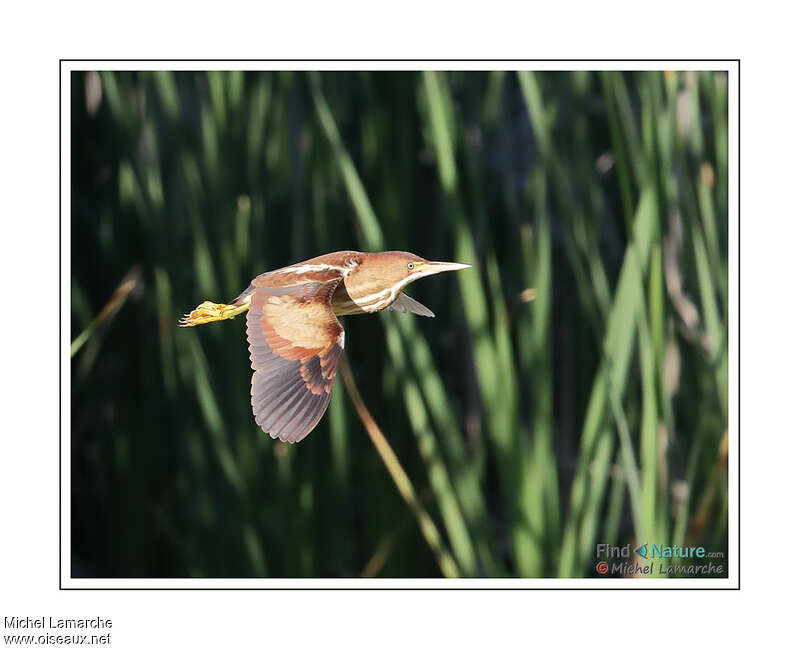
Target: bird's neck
352,298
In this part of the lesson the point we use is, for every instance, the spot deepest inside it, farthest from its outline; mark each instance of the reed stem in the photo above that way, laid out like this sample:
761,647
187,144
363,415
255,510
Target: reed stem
404,486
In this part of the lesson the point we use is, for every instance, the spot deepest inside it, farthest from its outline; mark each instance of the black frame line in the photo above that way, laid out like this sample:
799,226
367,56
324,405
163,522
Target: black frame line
738,586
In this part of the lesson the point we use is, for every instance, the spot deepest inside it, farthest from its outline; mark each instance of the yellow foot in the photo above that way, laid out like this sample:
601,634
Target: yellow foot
208,312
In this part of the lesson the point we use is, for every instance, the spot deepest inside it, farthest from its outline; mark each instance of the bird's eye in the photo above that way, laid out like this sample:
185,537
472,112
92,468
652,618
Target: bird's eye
411,265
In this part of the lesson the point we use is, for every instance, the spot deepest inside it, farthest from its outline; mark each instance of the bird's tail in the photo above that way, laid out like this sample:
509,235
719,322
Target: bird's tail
208,312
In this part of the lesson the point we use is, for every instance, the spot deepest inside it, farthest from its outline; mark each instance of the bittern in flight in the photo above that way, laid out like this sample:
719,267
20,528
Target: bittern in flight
296,340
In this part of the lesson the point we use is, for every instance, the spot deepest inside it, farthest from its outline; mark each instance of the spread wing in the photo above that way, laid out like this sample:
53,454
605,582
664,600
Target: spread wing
406,303
295,345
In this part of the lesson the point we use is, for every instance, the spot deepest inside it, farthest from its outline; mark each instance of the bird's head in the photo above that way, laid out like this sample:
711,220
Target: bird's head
380,277
397,269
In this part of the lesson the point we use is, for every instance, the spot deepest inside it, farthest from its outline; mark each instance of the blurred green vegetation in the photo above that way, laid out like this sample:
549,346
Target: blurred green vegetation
571,391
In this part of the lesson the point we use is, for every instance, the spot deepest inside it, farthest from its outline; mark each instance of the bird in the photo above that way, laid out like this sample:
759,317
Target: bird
295,338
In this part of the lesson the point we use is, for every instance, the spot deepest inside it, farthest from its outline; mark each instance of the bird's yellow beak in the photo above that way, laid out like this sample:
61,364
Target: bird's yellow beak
424,269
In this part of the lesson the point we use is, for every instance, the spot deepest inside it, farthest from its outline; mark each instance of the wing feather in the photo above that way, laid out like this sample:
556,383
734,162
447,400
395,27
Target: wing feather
406,303
295,346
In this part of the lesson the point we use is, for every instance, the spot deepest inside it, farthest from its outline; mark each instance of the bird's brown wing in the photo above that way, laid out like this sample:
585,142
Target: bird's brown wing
295,345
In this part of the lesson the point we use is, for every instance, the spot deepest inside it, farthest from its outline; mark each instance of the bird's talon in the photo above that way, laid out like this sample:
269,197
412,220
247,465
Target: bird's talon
208,312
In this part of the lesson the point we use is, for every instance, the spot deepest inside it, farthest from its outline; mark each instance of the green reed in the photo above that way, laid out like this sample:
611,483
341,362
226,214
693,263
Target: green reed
571,391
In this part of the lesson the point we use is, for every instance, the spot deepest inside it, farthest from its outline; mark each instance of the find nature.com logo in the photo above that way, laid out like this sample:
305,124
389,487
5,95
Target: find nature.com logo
664,560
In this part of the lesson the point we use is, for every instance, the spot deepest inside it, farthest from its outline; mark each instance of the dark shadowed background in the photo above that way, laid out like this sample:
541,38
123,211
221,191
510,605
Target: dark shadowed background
571,391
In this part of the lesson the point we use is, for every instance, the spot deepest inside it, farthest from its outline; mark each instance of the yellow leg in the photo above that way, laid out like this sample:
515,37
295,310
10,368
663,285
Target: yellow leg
208,312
